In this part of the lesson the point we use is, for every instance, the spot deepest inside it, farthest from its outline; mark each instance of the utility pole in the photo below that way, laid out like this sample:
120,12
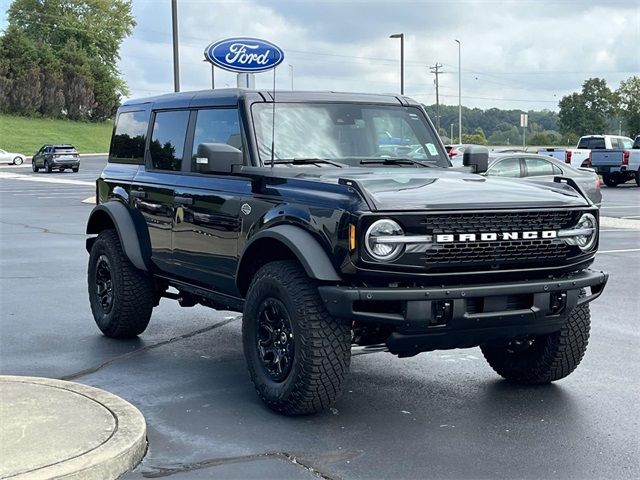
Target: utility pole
176,57
436,70
459,90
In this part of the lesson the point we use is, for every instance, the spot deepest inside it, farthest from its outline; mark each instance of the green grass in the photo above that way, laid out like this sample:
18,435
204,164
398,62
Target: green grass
26,135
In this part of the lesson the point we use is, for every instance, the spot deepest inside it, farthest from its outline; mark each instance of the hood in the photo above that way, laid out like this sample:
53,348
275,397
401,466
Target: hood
440,189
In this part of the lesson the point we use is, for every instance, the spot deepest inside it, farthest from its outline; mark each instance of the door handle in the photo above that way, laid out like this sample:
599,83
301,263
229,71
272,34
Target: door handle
138,194
183,200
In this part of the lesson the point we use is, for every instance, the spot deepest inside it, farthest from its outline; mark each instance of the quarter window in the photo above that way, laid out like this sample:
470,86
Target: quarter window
127,144
167,140
219,125
538,167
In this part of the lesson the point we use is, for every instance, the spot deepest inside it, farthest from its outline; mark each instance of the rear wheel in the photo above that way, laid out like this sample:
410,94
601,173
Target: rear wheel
47,166
296,353
610,181
121,296
75,169
546,358
34,167
638,178
17,161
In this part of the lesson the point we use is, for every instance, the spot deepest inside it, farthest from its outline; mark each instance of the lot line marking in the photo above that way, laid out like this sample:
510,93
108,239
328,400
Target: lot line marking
40,198
631,216
620,251
33,178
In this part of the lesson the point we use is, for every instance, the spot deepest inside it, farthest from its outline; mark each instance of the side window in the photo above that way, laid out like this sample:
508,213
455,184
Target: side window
167,140
584,143
625,143
127,144
220,125
537,167
509,167
615,143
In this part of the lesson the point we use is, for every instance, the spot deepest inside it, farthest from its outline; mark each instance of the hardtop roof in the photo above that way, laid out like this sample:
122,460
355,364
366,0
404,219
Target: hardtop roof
230,96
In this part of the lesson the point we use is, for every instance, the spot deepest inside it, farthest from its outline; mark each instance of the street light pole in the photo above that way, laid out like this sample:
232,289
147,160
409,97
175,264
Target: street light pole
459,91
176,58
401,37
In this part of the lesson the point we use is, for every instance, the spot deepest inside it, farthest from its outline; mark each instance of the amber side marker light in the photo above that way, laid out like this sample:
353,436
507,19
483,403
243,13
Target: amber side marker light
352,237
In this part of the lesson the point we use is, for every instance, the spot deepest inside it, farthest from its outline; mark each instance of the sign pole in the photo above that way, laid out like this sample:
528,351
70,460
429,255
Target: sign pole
176,52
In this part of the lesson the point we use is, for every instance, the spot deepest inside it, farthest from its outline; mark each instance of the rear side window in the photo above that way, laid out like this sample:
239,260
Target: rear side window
167,140
584,143
127,144
537,167
219,125
626,143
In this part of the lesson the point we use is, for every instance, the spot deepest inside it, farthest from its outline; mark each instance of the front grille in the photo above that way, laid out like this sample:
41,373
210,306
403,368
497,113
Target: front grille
499,254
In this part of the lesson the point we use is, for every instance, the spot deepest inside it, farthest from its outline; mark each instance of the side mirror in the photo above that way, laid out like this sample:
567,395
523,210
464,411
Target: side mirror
217,158
476,157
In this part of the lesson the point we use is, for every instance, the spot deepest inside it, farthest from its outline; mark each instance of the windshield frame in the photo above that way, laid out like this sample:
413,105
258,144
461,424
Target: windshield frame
443,158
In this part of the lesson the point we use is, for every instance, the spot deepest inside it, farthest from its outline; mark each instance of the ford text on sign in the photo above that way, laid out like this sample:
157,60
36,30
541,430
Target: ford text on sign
244,54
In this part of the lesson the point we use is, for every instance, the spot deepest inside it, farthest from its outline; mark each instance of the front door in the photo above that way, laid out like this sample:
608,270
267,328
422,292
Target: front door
207,220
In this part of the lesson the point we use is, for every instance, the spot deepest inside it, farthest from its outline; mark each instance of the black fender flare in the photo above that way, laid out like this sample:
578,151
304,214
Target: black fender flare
134,240
304,246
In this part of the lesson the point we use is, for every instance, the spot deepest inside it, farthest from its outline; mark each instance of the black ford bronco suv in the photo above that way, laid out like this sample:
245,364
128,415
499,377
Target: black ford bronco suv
331,220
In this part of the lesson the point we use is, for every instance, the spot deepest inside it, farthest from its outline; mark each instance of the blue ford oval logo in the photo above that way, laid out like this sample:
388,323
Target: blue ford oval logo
244,54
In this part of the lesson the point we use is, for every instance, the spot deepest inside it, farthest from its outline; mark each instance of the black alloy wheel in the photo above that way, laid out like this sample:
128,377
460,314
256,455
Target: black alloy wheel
274,339
104,284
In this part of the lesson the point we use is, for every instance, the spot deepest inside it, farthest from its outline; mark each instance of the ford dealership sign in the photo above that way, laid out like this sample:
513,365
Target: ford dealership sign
244,55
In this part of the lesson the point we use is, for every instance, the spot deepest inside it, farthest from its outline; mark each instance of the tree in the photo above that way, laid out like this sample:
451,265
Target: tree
477,137
628,95
587,112
72,66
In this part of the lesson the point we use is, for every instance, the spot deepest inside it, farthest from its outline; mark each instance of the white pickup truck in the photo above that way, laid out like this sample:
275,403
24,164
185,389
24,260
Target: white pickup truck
579,156
618,165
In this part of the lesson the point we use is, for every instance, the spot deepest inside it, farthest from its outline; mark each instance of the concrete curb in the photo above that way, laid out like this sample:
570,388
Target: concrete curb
625,223
57,429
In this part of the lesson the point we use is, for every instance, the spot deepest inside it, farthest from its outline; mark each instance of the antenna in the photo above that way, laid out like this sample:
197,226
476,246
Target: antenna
273,119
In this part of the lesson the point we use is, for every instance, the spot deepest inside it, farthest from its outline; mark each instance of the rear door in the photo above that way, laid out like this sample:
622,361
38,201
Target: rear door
207,217
540,169
506,167
152,191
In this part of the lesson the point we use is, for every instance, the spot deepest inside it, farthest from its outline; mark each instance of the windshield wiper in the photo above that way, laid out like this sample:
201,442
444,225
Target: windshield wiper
310,161
394,161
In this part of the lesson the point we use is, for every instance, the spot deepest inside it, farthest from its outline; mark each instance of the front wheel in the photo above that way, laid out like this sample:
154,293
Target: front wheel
638,178
121,296
75,169
17,161
296,353
545,358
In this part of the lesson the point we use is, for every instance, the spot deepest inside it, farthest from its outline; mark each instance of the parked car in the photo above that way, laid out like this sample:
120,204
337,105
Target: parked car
12,158
56,157
455,150
539,168
579,156
617,166
323,240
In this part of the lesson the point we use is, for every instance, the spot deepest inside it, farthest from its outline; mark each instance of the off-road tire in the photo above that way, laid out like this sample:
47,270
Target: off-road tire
322,344
33,166
550,357
47,166
133,290
610,181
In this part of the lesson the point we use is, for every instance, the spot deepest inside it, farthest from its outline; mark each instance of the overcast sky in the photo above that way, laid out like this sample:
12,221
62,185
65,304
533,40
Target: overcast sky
515,53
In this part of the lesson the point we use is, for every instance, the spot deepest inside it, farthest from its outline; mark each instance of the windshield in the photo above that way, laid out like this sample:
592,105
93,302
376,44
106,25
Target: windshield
345,133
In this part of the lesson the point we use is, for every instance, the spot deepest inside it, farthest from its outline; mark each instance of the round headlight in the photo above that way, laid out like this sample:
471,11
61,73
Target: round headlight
583,234
375,240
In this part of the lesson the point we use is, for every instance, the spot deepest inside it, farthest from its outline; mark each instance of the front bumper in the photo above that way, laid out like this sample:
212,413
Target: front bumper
431,318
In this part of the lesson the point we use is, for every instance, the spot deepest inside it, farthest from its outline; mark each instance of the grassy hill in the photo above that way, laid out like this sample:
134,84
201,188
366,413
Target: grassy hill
26,135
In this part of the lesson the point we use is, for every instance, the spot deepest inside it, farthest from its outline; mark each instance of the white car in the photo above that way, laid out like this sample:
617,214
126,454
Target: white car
13,158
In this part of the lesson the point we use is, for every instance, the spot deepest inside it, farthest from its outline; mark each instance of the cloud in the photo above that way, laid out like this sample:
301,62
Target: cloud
515,53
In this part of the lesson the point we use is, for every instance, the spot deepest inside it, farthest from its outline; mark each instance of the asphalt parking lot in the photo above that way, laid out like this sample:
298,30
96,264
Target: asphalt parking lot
438,415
